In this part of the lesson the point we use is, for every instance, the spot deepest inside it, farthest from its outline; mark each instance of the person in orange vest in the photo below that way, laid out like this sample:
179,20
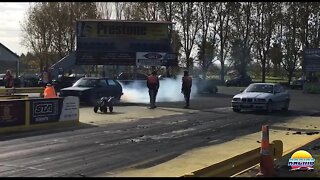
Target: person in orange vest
49,92
153,86
186,87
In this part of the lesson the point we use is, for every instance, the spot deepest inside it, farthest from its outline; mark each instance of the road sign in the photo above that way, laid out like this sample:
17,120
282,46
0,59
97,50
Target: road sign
156,59
312,60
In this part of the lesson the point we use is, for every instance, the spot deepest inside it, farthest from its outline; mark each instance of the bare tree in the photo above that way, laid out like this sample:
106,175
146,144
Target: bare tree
292,45
38,32
207,47
120,9
105,9
188,18
167,10
264,29
146,11
223,27
314,30
49,29
243,36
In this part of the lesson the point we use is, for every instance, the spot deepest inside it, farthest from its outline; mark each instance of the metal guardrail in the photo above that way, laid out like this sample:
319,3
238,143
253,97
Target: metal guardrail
3,97
5,91
238,163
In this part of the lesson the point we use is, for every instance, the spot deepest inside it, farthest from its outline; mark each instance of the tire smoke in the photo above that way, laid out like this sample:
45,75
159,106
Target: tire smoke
169,91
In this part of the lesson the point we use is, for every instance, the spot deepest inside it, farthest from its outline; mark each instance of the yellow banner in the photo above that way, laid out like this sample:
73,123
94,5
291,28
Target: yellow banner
132,30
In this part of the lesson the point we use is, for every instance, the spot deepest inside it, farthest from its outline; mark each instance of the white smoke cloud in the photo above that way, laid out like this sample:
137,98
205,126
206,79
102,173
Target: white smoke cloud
169,91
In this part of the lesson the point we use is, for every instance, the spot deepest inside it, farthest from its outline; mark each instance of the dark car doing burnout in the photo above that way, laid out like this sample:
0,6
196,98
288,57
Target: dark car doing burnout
90,89
239,81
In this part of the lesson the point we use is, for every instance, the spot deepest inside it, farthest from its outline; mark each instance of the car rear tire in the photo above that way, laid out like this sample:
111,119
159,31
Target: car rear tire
269,107
213,90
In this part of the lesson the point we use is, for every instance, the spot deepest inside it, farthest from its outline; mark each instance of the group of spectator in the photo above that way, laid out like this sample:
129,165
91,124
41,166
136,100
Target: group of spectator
9,79
152,83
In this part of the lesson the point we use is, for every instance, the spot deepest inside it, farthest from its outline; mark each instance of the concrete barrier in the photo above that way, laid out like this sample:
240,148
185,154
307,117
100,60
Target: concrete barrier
238,163
38,113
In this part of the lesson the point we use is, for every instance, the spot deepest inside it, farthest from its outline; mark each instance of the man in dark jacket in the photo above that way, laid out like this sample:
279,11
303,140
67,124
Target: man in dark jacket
186,87
8,79
153,86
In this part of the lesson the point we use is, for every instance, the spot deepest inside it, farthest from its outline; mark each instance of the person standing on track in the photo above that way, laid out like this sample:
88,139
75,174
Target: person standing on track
153,86
186,88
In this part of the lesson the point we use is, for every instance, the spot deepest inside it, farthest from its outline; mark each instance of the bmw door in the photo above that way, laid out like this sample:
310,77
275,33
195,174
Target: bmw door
280,96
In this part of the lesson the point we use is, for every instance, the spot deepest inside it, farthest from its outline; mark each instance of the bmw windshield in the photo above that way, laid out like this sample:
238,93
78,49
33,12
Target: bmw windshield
263,88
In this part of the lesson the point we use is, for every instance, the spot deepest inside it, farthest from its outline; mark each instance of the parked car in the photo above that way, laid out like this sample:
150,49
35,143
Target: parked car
262,96
297,84
29,80
239,81
90,89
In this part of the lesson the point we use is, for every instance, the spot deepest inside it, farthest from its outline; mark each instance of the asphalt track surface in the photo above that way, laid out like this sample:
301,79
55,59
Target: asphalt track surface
95,150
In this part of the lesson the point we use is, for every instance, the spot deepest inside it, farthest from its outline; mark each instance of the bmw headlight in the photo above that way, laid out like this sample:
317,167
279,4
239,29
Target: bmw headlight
236,99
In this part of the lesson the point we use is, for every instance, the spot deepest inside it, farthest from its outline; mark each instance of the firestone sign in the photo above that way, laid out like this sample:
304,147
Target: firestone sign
107,42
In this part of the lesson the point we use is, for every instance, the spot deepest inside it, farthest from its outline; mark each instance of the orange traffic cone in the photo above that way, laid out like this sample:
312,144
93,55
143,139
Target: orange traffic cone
49,92
266,161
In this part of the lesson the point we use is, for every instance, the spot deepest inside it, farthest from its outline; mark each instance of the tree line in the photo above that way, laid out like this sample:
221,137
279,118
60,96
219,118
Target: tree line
266,37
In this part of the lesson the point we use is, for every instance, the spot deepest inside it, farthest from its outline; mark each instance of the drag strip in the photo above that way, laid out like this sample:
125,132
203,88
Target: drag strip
142,143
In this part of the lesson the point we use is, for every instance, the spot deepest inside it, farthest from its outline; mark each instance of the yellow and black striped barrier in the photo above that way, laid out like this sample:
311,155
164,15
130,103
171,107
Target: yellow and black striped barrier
238,163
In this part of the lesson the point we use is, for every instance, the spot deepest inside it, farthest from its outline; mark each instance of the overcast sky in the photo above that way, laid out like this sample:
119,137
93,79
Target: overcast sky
11,16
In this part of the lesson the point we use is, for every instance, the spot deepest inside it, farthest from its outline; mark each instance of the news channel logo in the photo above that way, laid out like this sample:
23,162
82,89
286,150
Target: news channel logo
301,161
